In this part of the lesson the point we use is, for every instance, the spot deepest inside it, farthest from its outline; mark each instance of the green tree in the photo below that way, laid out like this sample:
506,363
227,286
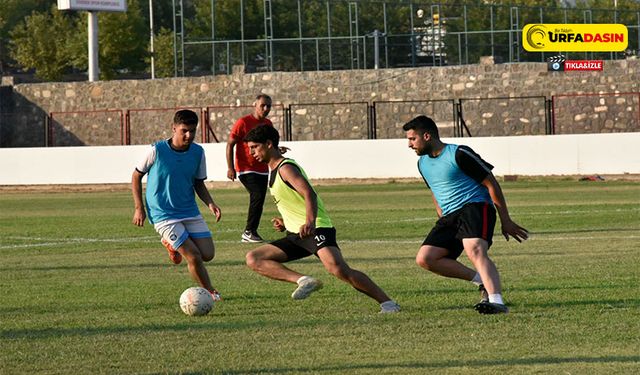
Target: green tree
122,42
39,43
162,13
164,58
13,12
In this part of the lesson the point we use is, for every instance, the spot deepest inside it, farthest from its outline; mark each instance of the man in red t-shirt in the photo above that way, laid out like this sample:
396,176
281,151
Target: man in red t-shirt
252,173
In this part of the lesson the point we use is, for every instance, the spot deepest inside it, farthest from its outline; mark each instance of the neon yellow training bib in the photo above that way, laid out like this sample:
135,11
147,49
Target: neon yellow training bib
291,204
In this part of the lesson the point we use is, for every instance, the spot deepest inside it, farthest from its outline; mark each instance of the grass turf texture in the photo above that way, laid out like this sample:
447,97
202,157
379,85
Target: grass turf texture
84,291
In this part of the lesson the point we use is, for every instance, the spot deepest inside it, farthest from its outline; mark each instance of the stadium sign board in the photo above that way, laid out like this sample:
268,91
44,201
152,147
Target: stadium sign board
93,5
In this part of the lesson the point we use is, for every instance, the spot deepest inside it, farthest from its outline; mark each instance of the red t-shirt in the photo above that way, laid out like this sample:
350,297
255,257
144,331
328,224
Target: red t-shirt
244,161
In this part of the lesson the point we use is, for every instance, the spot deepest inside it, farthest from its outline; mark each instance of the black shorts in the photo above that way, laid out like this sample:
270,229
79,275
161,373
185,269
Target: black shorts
298,248
473,220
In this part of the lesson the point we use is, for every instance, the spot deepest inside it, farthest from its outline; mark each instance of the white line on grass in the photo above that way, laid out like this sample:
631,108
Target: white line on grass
53,242
534,237
572,212
543,213
122,239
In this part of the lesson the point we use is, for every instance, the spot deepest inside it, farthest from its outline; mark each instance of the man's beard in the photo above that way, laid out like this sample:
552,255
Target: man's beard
426,150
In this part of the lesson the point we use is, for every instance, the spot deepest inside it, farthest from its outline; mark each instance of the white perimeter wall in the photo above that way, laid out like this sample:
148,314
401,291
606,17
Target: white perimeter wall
523,155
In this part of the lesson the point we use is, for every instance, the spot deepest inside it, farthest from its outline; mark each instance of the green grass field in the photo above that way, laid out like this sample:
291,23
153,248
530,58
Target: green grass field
86,292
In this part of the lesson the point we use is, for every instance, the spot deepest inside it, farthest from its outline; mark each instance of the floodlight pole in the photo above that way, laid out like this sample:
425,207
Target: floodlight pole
93,46
376,48
151,51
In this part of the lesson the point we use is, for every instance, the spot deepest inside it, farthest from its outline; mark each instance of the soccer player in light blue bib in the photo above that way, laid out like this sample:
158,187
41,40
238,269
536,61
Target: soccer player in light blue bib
176,169
466,196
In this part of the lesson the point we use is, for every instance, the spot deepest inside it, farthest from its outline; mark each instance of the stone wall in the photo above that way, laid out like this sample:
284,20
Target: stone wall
501,99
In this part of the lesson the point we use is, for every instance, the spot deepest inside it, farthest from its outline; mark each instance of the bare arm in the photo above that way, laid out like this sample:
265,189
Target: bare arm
203,194
293,176
509,227
139,215
435,203
278,224
231,170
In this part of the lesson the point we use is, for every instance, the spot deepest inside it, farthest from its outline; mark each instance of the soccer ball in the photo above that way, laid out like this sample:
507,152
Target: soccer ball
196,301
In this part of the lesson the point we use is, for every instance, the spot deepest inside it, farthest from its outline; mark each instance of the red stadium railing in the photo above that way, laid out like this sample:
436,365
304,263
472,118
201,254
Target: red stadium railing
506,116
220,119
319,127
147,125
595,112
69,128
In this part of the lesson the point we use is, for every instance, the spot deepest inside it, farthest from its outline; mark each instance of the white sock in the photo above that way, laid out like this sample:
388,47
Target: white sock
302,278
496,298
388,303
476,279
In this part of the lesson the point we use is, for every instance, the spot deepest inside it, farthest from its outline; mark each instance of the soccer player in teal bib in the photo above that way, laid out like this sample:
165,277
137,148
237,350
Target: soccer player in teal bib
466,196
308,226
177,169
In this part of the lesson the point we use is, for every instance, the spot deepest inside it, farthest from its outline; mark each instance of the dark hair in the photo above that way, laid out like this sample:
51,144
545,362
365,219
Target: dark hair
186,117
263,96
424,124
262,134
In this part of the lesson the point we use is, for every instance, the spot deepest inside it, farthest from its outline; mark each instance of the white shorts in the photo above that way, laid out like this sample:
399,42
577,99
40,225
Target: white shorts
176,231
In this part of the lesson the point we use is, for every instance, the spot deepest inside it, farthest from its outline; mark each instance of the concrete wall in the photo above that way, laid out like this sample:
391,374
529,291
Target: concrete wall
524,155
399,94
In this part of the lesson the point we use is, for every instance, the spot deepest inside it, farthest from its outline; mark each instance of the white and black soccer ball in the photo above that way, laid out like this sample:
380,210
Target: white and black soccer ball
196,301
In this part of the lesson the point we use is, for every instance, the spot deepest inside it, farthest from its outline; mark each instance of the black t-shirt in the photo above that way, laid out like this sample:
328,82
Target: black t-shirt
472,164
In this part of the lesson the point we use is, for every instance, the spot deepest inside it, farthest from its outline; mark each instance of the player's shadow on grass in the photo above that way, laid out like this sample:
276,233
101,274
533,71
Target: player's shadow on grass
563,287
535,361
603,303
186,324
523,306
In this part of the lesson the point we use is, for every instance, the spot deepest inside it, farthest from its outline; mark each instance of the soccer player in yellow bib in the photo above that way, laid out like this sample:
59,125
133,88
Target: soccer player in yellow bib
308,227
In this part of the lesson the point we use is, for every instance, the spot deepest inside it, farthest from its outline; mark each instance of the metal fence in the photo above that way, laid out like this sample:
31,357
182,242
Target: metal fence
147,125
5,118
86,128
220,119
599,112
490,117
463,117
390,116
326,121
211,36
